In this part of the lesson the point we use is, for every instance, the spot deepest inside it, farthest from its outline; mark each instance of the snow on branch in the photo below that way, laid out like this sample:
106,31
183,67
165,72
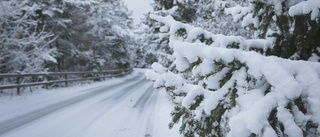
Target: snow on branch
24,43
306,7
235,92
82,2
188,33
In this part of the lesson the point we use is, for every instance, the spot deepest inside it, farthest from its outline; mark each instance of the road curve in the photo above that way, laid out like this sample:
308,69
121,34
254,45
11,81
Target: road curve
130,108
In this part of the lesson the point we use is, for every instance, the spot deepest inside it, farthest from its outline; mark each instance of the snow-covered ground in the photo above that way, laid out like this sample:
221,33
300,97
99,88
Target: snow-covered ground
119,107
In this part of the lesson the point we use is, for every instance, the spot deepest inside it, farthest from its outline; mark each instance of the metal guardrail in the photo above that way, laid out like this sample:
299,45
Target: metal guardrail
19,76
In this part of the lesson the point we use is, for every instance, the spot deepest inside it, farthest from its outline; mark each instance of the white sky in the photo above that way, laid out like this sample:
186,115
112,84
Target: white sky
139,7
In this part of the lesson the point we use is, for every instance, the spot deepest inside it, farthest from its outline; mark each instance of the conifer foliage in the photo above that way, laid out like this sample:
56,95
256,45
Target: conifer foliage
210,15
294,26
64,35
24,44
181,10
232,86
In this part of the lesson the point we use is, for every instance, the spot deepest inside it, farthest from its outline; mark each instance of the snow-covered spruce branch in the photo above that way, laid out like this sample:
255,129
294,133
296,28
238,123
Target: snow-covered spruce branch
311,7
237,93
184,32
293,26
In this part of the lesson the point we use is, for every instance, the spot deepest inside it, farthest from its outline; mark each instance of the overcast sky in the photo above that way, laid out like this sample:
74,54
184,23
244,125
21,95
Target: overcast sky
139,7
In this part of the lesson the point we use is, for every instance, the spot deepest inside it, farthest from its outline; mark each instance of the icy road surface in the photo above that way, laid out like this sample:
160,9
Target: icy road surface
122,107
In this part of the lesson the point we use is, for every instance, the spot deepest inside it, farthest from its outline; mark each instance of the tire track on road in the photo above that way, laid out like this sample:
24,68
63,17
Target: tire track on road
152,99
142,101
112,101
14,123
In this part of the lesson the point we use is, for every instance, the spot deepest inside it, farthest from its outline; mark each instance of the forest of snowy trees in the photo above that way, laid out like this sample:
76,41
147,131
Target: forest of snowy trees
64,35
235,68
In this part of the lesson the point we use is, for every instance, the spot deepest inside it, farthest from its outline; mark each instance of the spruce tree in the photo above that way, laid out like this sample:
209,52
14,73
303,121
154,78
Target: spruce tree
24,43
111,23
67,20
231,86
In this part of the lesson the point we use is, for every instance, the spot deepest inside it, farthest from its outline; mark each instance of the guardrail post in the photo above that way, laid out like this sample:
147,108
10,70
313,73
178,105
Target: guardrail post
66,78
104,76
82,76
47,79
18,83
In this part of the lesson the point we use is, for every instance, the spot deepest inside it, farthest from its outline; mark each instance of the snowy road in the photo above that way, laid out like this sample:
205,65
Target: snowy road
124,107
